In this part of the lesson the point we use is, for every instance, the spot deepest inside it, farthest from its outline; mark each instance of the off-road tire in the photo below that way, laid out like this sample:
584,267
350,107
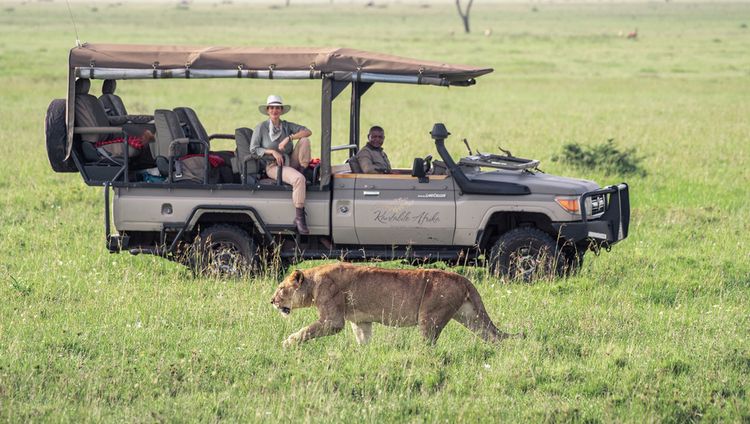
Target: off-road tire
525,254
56,133
225,251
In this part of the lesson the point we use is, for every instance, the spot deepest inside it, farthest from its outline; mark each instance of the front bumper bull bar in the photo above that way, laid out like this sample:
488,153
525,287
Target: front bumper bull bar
608,228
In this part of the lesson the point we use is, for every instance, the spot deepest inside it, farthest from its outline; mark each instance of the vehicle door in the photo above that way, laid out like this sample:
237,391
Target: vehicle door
398,209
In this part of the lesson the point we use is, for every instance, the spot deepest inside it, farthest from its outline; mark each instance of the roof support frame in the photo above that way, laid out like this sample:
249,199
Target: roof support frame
358,89
338,87
94,72
331,90
183,73
70,110
326,105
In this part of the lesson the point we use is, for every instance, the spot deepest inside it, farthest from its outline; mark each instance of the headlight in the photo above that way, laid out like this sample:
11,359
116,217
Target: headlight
594,204
569,203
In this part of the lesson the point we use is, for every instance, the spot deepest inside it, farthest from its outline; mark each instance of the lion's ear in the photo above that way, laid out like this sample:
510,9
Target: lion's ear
298,277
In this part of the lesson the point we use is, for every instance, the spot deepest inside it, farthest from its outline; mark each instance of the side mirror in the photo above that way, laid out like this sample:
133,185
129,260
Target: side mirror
417,170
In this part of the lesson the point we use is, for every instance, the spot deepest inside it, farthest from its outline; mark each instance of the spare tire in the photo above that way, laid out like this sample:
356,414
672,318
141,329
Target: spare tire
57,135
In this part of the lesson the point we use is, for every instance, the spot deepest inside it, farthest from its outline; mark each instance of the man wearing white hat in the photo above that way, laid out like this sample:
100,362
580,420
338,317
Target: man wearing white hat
272,139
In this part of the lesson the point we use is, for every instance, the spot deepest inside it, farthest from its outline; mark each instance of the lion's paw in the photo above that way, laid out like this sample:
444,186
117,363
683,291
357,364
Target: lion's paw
292,340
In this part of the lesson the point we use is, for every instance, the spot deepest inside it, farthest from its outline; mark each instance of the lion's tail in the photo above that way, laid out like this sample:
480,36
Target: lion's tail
479,321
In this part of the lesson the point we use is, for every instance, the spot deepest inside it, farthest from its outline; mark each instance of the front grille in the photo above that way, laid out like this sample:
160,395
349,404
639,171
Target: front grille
597,204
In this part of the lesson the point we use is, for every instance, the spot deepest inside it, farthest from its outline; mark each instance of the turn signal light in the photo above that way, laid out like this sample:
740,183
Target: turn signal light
570,204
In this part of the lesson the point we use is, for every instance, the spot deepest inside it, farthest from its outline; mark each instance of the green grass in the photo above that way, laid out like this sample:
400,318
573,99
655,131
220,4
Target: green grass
656,330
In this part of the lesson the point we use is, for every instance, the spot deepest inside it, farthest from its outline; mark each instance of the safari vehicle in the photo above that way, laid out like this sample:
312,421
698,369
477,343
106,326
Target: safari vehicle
492,209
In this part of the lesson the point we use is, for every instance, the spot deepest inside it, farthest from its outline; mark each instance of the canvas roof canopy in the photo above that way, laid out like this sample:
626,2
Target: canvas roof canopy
336,67
162,61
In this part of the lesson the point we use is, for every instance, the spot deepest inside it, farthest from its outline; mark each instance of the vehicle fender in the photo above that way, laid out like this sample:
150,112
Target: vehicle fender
240,214
515,209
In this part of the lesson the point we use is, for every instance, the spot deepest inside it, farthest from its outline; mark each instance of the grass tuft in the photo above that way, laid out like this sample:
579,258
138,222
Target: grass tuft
22,289
605,157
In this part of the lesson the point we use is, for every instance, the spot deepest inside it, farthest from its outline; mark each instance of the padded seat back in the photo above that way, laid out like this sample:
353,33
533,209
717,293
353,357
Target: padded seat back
354,165
193,126
253,165
90,113
186,167
112,103
168,129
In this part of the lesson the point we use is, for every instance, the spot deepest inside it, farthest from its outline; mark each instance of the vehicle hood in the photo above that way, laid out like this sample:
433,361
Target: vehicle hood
538,183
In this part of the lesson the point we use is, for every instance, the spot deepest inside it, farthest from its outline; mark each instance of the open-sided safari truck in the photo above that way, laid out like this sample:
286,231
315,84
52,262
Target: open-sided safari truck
498,210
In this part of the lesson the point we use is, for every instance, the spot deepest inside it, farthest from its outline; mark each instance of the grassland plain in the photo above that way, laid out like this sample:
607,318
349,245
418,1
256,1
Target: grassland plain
656,330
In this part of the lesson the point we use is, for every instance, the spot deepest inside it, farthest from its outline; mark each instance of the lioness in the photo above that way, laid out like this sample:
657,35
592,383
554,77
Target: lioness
363,295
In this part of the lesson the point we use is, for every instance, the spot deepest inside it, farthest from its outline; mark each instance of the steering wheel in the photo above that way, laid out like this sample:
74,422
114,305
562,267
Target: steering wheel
427,164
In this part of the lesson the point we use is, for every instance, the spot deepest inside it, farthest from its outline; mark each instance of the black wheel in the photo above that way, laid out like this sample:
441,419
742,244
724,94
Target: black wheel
225,251
525,254
56,133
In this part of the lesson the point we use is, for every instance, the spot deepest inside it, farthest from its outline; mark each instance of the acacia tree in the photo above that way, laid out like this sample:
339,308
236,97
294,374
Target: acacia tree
464,15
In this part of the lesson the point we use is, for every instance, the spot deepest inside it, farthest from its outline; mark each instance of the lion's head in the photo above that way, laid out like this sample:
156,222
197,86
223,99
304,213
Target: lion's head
291,293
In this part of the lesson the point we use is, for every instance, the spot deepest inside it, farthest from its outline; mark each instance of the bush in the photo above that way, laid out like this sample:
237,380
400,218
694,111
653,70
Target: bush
605,157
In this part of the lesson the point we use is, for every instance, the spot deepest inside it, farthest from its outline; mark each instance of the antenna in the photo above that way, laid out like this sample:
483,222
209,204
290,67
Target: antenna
75,28
466,142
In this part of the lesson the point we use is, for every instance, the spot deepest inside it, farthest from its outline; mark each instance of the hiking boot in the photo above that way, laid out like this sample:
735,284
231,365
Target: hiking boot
300,222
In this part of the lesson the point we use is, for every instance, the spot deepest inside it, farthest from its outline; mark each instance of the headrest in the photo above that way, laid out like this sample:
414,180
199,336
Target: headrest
172,123
82,86
243,133
109,87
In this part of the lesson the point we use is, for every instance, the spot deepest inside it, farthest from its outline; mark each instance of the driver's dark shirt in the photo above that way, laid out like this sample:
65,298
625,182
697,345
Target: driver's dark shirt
373,160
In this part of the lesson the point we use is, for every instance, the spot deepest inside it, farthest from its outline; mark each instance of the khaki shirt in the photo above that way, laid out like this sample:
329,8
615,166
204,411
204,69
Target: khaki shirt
373,160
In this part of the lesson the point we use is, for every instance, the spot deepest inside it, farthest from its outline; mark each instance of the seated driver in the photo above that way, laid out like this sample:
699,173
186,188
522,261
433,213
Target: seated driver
372,159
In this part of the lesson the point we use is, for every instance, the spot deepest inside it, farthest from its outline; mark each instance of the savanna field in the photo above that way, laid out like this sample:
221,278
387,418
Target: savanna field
654,331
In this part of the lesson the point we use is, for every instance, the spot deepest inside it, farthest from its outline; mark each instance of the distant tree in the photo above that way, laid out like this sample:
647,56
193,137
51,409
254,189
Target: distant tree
464,15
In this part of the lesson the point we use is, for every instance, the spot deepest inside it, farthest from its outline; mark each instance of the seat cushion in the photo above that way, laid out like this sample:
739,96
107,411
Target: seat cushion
113,105
168,129
242,137
354,165
90,113
189,119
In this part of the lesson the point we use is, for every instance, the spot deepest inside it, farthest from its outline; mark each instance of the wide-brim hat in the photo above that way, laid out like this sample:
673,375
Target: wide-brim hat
274,100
